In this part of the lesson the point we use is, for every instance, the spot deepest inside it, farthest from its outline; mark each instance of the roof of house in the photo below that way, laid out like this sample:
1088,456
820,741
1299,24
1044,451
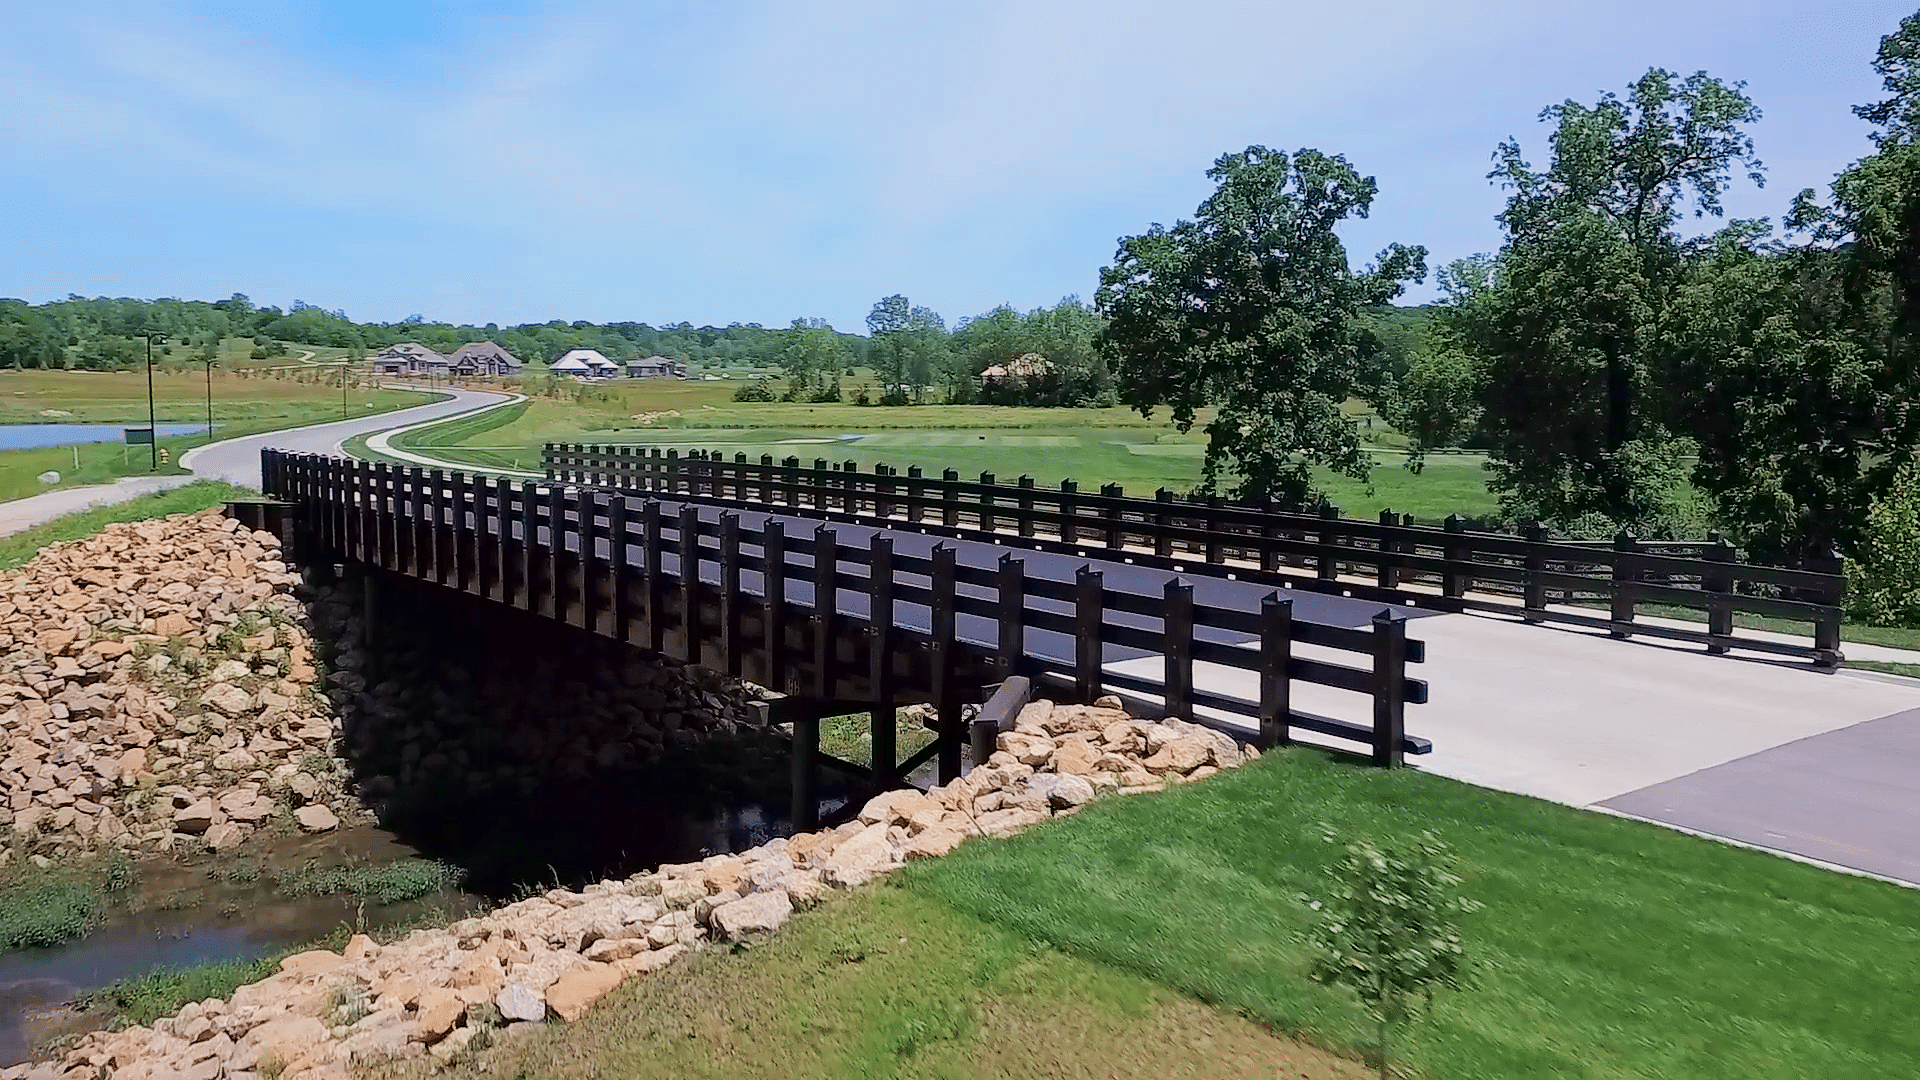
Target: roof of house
656,360
411,349
1020,367
588,357
568,362
481,351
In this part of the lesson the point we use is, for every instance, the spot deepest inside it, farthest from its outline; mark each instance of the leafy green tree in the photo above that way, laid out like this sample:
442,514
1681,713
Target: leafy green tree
1436,403
1571,326
1389,931
1251,308
812,359
1883,574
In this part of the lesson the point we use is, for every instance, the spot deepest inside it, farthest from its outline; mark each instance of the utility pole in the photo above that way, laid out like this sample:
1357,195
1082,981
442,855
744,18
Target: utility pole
209,399
343,391
153,429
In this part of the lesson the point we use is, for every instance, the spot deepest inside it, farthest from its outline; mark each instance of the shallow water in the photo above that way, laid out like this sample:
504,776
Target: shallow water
33,436
174,918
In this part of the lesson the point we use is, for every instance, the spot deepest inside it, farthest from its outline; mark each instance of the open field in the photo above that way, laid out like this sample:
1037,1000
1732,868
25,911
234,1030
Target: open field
243,405
1093,446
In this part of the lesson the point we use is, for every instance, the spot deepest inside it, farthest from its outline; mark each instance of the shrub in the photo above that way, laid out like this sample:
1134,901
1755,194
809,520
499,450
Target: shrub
756,390
1883,576
257,353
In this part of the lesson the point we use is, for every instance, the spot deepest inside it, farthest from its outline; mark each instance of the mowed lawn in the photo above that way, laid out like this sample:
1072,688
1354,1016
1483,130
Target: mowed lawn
1612,948
1091,446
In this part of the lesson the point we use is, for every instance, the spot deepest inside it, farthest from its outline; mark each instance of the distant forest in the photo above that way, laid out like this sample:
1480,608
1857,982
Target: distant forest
908,345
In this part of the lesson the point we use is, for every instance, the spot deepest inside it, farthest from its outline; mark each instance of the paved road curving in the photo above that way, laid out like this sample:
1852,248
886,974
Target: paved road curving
237,461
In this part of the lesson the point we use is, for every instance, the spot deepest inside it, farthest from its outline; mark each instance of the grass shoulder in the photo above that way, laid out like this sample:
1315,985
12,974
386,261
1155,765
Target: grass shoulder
190,498
890,982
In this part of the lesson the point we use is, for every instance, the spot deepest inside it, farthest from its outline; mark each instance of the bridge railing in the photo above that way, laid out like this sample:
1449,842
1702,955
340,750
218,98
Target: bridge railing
1448,567
746,599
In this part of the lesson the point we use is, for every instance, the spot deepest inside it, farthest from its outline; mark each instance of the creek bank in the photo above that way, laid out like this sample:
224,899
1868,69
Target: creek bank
438,993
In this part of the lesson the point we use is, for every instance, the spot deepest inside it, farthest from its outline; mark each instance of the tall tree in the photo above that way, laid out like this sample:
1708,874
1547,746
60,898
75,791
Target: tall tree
1571,331
1252,309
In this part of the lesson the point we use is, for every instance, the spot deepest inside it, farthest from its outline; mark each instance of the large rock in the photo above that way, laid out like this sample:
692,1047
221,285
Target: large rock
854,861
576,991
1062,790
225,836
890,807
1181,755
228,699
933,842
194,818
438,1011
755,914
316,818
517,1002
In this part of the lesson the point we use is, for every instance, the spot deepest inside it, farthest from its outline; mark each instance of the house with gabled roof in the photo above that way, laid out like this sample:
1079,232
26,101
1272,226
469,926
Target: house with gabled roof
483,358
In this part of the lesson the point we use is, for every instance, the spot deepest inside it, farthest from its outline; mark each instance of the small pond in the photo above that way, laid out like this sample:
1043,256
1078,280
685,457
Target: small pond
34,436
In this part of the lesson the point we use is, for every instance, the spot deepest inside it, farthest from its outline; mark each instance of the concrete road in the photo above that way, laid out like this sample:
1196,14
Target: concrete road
236,461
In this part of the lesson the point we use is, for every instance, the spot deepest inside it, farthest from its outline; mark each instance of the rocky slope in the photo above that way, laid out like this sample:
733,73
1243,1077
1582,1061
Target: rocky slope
158,689
442,992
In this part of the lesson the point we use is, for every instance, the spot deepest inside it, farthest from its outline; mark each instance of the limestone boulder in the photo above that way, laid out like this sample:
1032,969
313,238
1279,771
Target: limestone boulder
756,914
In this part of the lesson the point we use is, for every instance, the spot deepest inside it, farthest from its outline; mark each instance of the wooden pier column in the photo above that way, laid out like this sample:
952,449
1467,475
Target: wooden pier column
946,698
1177,639
1276,678
773,560
1088,623
826,590
690,650
730,591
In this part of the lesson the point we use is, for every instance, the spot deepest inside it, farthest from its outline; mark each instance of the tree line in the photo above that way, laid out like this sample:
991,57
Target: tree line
1618,373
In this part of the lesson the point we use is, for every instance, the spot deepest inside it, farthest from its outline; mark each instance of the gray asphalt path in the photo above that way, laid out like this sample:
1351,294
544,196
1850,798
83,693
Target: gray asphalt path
1849,797
237,461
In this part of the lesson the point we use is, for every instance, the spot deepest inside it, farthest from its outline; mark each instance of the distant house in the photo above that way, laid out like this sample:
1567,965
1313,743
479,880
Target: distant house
586,364
408,358
1024,366
483,358
656,367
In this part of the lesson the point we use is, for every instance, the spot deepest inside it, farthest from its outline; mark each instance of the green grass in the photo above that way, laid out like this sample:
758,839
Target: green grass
199,495
41,908
1911,671
850,738
1892,637
888,983
1613,948
379,883
164,992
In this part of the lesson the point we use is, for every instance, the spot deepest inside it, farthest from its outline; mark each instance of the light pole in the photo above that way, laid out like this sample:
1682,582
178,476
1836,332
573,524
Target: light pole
209,399
153,429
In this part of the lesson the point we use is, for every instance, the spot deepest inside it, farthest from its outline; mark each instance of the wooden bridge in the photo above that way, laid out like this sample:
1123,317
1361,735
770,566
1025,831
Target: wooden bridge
842,617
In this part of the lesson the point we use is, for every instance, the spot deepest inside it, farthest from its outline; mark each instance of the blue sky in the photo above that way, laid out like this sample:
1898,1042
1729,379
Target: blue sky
755,162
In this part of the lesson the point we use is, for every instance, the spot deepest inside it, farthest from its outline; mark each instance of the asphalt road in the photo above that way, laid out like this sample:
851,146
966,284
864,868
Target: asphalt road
237,461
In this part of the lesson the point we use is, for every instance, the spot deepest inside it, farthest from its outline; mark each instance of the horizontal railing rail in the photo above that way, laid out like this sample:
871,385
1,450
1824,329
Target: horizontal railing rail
736,595
1449,567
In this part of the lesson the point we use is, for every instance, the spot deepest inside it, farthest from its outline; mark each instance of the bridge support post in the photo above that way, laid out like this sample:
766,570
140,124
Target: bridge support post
806,749
880,643
946,700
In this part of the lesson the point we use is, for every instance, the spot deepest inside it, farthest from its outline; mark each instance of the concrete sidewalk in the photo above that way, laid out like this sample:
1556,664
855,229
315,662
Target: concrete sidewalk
23,514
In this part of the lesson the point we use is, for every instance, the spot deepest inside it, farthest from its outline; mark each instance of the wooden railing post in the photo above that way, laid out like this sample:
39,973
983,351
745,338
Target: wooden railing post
436,516
1176,641
557,551
1024,523
773,556
1717,583
1826,628
730,592
986,503
790,478
882,490
1455,579
916,492
1389,571
654,543
1162,521
826,615
690,639
1534,598
529,536
766,479
949,498
1276,676
1214,529
1069,507
1328,566
1089,620
1625,574
1389,688
943,613
502,538
1011,613
617,547
1116,538
819,483
880,645
850,488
